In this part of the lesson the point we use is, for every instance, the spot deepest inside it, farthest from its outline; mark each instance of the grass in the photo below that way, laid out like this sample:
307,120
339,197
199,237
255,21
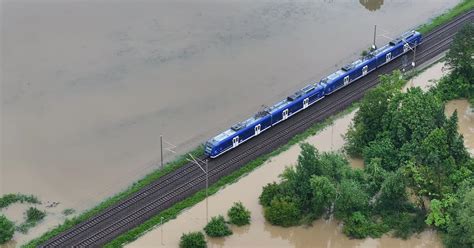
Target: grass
135,187
460,8
33,217
8,199
172,212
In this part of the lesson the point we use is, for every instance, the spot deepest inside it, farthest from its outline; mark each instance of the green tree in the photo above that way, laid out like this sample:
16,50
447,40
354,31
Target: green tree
384,149
368,121
7,229
439,215
460,55
359,226
375,175
217,227
269,192
297,178
324,193
192,240
238,214
393,191
351,198
460,232
282,212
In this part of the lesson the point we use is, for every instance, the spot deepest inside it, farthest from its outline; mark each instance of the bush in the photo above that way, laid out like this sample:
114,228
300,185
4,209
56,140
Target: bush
360,226
34,215
7,229
8,199
238,214
68,211
192,240
217,227
282,212
269,192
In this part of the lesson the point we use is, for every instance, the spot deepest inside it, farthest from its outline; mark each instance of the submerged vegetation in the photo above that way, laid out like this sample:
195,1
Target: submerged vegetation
192,240
217,227
238,214
7,229
418,172
33,217
173,211
8,199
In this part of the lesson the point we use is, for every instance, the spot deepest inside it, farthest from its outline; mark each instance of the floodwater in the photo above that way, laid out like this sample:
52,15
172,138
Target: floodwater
466,121
262,234
322,233
88,86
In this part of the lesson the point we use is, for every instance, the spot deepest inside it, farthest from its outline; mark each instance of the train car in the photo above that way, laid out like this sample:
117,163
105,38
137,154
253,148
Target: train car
395,48
310,94
238,134
296,102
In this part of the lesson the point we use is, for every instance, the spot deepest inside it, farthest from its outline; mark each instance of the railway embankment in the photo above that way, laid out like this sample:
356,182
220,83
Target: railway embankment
320,232
173,211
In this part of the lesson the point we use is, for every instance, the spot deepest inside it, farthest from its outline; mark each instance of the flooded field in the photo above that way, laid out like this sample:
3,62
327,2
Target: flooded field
322,233
88,86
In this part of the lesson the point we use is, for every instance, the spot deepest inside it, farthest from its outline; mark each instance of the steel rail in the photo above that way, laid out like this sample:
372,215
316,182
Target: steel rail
157,190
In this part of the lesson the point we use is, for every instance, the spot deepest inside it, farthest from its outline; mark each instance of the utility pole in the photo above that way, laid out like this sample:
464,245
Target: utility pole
161,149
161,224
206,172
374,46
169,148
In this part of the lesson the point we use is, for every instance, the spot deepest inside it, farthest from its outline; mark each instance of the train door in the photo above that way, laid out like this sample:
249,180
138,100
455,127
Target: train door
305,103
388,57
406,47
257,129
346,80
364,70
235,141
285,114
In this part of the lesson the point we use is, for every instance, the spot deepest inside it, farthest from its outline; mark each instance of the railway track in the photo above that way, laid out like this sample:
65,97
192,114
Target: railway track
189,179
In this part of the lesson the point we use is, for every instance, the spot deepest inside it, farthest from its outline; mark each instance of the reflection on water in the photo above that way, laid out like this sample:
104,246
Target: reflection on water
372,5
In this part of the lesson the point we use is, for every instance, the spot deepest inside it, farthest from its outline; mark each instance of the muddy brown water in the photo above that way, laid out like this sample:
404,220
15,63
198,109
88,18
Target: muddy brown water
88,86
322,233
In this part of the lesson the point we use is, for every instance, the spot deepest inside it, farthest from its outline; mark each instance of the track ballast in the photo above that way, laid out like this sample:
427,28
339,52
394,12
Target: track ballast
189,179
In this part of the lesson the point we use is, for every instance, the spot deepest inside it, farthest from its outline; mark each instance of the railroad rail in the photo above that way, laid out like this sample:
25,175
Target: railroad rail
189,179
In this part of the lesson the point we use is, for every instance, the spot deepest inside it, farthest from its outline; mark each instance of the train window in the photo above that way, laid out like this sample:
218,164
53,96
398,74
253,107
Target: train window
364,70
388,57
346,80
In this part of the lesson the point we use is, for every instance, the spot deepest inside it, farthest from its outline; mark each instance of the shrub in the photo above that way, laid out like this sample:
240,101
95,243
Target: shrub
34,215
192,240
282,212
238,214
360,226
7,229
8,199
269,192
68,211
217,227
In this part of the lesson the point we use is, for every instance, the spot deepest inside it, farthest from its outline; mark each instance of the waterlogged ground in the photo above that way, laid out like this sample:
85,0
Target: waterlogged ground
88,86
322,233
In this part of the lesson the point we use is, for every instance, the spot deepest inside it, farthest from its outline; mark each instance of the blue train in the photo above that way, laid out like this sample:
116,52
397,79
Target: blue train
302,99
